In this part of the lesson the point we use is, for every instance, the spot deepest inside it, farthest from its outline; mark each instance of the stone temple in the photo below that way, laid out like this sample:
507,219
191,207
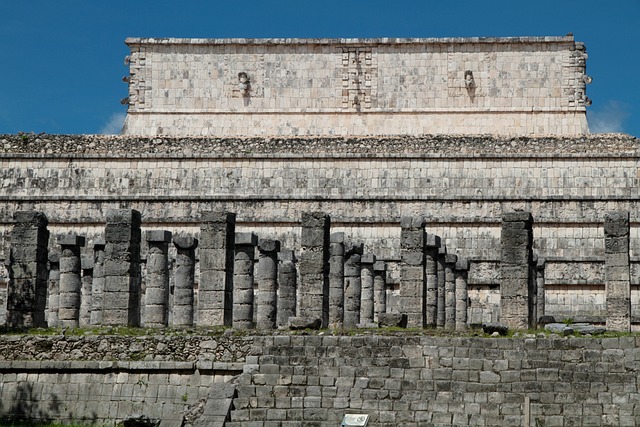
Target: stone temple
316,232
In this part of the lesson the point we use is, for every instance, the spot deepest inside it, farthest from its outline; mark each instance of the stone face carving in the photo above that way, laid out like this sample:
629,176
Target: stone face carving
244,85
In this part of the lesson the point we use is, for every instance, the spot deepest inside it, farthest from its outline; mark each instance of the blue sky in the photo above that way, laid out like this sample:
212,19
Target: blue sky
62,61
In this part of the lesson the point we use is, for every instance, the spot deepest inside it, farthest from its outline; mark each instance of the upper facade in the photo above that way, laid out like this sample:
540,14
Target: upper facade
251,87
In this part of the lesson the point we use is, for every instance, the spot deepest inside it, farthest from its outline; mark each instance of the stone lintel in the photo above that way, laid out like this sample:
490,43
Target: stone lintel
71,239
158,236
246,239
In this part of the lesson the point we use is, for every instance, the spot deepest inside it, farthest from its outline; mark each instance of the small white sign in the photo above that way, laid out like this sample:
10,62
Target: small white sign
359,420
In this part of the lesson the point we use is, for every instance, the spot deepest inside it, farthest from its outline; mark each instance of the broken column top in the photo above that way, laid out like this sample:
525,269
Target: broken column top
616,223
368,259
314,219
287,255
518,216
124,216
32,218
185,242
246,239
71,239
412,222
219,217
268,245
158,236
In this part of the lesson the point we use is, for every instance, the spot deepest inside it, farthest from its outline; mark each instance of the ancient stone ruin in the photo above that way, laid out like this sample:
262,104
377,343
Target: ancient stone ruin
325,232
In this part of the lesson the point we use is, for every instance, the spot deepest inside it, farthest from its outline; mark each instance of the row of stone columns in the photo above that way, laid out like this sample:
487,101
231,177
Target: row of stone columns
433,285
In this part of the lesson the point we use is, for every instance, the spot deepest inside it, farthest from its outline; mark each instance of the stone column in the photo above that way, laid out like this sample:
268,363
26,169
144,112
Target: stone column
431,271
450,291
87,264
540,288
70,280
462,293
215,295
243,280
267,283
516,297
379,289
314,267
182,310
617,275
352,285
156,310
366,299
412,277
98,281
121,293
336,280
53,297
287,278
440,261
27,289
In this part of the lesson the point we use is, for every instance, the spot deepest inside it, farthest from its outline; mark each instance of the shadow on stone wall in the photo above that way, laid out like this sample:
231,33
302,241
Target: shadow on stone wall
27,407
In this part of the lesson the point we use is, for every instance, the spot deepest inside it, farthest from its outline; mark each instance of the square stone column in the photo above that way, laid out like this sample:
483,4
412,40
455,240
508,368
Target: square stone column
53,294
412,274
287,286
314,267
28,275
516,293
617,274
431,271
97,290
217,245
86,293
121,294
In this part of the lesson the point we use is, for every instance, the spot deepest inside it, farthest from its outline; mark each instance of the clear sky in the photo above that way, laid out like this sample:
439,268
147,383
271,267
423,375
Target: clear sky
61,61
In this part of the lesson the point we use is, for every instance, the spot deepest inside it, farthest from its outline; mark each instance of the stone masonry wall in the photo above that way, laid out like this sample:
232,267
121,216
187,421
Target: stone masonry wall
293,380
461,185
415,381
527,85
104,379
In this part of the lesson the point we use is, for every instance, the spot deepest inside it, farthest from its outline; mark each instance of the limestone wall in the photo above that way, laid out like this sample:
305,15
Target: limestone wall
461,185
528,85
316,380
